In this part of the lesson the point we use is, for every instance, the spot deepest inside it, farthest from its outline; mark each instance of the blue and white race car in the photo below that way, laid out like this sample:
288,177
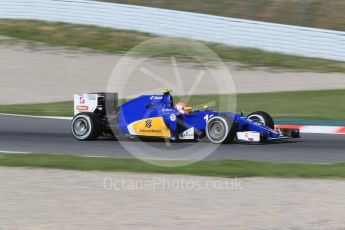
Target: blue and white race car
156,116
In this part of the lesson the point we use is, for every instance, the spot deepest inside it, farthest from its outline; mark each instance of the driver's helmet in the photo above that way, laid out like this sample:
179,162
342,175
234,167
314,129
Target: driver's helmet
167,98
166,91
182,108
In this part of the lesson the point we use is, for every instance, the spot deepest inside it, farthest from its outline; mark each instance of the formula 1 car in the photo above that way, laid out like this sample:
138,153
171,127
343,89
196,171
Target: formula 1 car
99,114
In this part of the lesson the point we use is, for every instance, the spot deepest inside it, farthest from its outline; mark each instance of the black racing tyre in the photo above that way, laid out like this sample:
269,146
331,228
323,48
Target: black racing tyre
220,130
86,126
263,118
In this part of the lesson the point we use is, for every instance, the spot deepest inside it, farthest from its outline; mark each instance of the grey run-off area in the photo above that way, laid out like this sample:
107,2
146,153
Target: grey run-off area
42,74
62,199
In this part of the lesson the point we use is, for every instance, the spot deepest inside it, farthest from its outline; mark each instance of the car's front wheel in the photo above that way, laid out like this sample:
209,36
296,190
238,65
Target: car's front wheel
262,118
86,126
220,130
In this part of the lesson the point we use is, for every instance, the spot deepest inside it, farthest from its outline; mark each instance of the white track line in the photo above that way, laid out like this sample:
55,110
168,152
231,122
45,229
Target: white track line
19,152
47,117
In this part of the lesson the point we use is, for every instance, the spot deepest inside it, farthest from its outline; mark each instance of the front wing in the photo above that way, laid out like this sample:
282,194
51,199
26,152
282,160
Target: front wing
253,136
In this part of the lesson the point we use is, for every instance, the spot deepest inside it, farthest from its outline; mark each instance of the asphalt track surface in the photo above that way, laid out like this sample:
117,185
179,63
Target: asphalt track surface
43,135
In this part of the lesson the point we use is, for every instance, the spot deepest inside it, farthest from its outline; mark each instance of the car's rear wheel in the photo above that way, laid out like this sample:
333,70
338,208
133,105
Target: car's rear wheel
262,118
86,126
220,130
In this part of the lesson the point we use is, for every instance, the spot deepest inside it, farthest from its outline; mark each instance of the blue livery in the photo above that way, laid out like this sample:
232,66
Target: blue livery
157,116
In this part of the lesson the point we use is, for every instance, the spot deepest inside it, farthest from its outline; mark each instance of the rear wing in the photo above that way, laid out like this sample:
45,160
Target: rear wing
95,103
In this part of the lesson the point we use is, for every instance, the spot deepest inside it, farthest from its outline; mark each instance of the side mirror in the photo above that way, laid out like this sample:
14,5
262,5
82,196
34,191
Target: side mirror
148,106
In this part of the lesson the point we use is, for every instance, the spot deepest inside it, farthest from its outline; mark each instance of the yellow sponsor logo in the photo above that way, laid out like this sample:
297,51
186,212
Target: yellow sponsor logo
154,127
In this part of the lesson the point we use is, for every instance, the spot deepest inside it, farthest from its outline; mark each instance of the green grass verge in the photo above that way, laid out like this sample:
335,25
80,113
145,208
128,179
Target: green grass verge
42,109
322,105
120,41
309,13
224,168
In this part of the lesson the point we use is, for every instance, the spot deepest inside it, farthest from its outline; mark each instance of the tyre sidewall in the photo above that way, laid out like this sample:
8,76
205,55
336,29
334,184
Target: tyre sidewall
92,129
264,118
226,129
